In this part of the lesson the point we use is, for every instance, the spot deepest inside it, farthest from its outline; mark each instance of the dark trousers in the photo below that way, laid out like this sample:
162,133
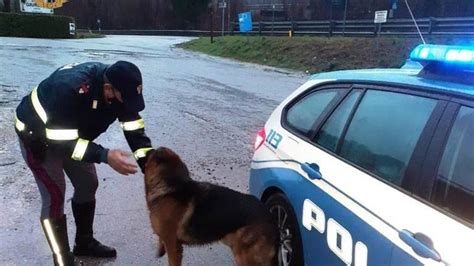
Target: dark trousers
49,176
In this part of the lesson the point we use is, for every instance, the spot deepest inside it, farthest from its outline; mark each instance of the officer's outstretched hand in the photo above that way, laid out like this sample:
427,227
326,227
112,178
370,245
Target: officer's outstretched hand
117,159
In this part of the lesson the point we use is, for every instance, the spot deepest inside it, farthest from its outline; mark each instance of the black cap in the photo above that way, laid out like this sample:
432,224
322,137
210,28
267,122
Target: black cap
126,78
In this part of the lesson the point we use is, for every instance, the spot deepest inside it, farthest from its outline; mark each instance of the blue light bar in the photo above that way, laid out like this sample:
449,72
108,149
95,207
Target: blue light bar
459,55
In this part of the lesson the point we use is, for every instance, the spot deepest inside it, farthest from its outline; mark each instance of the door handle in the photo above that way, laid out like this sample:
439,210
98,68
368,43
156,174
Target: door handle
420,243
312,170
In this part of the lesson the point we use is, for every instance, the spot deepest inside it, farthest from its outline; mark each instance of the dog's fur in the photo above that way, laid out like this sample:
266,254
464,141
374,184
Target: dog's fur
184,211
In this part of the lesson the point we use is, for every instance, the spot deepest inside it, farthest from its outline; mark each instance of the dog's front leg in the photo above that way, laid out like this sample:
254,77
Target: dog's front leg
174,250
161,249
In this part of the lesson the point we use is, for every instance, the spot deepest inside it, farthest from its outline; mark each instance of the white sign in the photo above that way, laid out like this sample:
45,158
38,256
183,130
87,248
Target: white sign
222,4
380,16
72,28
29,6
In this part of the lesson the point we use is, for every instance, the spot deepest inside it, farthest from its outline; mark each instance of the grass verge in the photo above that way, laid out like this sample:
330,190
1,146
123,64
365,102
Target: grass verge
87,35
314,54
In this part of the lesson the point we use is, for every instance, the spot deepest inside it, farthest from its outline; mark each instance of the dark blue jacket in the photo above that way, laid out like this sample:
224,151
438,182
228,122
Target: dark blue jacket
75,113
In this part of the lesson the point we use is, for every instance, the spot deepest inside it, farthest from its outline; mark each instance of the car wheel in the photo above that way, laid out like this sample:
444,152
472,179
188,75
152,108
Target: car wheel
290,252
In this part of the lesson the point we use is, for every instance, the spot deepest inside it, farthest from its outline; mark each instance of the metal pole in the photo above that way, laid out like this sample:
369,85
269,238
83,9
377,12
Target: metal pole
273,16
345,16
223,15
330,10
228,15
212,25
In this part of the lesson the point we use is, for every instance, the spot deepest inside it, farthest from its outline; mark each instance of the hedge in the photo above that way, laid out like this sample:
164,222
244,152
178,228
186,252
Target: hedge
35,25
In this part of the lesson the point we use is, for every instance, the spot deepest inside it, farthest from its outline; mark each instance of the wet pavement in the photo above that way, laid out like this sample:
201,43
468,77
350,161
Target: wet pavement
205,108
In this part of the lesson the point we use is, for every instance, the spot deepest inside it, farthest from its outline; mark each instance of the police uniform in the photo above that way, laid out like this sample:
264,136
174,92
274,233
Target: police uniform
57,123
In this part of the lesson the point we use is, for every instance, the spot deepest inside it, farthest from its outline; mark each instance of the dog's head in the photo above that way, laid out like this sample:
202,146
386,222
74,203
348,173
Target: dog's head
164,164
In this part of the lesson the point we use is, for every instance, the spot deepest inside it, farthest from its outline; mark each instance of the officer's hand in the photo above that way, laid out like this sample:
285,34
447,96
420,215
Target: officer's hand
117,159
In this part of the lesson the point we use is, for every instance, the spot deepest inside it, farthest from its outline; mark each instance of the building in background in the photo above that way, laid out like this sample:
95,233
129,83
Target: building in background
162,14
31,6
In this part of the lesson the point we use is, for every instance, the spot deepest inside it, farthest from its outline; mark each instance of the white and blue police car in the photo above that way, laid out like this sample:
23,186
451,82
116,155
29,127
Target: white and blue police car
374,167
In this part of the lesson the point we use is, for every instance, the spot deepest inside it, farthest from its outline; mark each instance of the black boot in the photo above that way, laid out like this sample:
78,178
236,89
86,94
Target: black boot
86,245
56,234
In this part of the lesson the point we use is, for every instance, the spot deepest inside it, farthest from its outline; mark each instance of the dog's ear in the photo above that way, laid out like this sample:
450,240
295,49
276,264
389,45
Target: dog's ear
160,155
164,154
167,158
182,170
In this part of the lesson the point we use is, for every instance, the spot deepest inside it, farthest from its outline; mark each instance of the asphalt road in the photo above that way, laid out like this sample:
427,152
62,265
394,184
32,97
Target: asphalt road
205,108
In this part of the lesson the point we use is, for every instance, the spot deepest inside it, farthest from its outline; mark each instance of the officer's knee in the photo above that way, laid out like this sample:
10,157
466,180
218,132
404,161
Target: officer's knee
94,184
86,192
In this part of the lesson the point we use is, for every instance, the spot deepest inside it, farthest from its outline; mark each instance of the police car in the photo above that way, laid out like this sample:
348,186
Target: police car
374,167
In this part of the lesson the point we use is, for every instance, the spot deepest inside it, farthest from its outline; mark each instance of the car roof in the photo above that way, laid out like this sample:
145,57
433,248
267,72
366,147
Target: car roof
407,75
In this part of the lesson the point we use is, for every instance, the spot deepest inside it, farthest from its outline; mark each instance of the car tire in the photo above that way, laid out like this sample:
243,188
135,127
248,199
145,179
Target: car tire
290,252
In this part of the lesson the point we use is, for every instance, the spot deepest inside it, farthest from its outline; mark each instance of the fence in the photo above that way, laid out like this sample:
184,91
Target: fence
362,28
396,27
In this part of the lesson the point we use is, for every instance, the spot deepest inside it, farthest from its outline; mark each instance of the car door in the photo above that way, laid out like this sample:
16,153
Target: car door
446,187
354,166
307,109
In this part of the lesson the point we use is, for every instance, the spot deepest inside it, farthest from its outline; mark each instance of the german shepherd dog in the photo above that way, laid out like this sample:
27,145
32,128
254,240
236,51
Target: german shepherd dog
184,211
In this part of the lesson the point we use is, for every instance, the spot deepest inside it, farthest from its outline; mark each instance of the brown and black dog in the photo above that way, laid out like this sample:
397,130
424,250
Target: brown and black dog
184,211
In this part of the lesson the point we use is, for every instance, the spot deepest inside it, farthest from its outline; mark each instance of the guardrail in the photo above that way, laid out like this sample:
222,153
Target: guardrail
357,28
395,27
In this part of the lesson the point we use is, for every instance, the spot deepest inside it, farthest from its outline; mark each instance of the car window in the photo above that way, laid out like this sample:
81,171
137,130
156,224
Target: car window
384,132
454,189
331,131
304,113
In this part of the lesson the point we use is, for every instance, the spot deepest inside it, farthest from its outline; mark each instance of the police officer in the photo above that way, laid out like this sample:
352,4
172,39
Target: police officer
57,123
